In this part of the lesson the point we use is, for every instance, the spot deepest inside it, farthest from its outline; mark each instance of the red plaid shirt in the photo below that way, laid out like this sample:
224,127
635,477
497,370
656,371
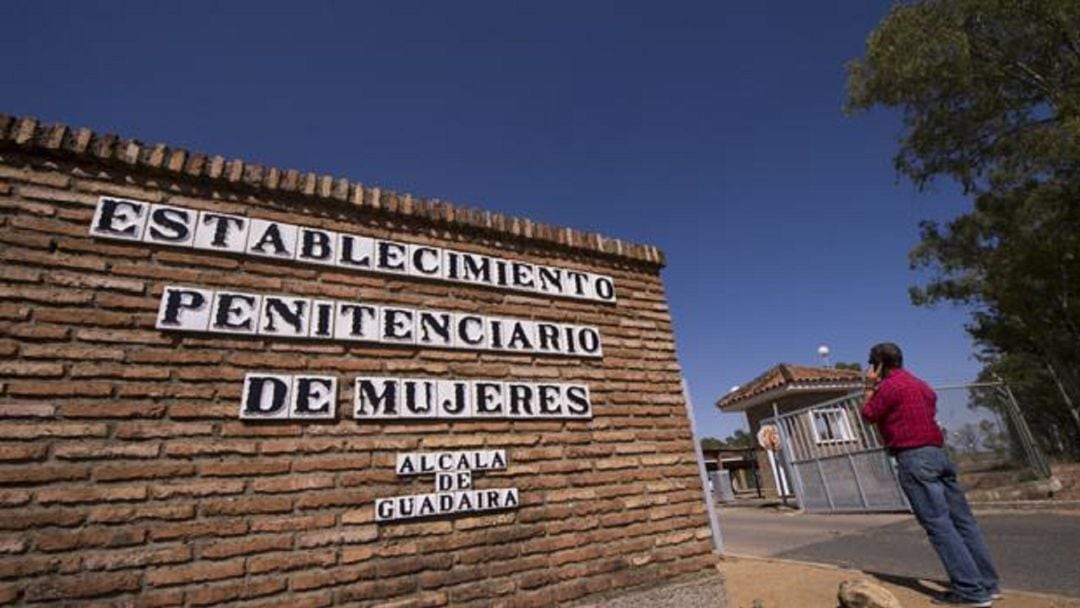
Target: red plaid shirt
903,407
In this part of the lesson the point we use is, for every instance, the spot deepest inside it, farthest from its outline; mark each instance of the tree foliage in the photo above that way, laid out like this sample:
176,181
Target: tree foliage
989,88
990,96
740,439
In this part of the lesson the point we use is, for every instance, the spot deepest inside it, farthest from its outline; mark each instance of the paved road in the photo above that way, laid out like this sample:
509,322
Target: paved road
1033,551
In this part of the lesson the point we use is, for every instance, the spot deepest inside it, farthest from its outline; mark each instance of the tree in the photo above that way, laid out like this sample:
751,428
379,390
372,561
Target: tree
993,439
711,444
854,366
988,88
990,96
1035,393
738,439
1015,261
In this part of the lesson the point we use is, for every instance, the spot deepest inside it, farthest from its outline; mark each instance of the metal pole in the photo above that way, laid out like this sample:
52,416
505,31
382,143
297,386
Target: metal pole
1034,454
785,451
858,481
825,484
757,473
710,504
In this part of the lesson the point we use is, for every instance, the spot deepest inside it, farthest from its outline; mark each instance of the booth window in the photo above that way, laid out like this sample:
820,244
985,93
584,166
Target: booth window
831,426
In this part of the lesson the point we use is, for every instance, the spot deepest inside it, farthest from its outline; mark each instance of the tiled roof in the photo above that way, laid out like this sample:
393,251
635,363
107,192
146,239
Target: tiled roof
60,141
790,376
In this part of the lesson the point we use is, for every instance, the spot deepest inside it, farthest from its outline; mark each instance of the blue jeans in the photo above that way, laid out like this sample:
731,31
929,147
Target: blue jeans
929,481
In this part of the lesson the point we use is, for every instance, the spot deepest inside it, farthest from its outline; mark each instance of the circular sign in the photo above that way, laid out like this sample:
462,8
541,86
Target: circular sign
768,437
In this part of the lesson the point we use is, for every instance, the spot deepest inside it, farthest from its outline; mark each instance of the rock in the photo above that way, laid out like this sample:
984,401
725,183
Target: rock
865,594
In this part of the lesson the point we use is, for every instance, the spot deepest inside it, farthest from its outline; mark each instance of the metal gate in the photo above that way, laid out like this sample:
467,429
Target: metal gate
837,463
836,460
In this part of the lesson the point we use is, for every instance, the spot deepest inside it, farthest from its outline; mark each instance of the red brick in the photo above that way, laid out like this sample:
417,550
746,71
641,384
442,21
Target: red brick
58,389
317,599
20,274
246,506
380,589
230,592
119,370
14,312
136,558
305,581
331,463
292,523
112,409
199,529
26,566
89,538
338,498
293,560
213,448
86,450
52,429
39,332
13,545
244,429
83,316
9,498
125,513
156,470
45,295
200,487
247,546
361,534
42,473
73,351
32,369
293,483
89,585
148,430
23,519
236,468
174,356
20,452
66,495
84,280
195,573
114,301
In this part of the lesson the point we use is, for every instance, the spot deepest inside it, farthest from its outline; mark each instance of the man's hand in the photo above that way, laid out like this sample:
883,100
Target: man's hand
873,377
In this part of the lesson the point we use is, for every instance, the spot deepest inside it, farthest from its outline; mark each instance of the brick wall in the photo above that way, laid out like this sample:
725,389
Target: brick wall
126,477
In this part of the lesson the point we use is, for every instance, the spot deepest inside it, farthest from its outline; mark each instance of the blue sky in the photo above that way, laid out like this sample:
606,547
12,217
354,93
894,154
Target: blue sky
713,130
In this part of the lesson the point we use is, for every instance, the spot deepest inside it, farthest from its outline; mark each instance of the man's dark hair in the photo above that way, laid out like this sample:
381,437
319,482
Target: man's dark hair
888,355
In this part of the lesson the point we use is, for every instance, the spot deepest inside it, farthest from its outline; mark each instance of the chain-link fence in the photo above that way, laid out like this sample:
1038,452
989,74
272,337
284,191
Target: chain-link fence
987,438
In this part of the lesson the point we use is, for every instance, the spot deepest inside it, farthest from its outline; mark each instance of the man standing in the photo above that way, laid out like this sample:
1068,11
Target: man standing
903,408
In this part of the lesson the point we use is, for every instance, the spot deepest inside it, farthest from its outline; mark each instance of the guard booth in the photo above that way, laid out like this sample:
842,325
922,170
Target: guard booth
784,388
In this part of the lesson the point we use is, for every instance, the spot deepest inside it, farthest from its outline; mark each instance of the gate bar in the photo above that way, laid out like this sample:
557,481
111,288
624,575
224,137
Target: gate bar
785,461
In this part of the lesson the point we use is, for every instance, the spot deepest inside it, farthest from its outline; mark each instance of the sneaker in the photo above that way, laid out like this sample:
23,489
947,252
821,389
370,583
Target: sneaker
997,595
951,599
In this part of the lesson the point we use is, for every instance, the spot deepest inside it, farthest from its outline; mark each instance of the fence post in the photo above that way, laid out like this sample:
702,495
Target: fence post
710,504
1034,454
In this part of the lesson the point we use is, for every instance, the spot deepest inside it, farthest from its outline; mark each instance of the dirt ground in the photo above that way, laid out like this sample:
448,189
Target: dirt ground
783,584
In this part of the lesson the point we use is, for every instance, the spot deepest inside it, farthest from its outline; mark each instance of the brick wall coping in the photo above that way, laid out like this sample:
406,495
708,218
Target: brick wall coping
28,134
